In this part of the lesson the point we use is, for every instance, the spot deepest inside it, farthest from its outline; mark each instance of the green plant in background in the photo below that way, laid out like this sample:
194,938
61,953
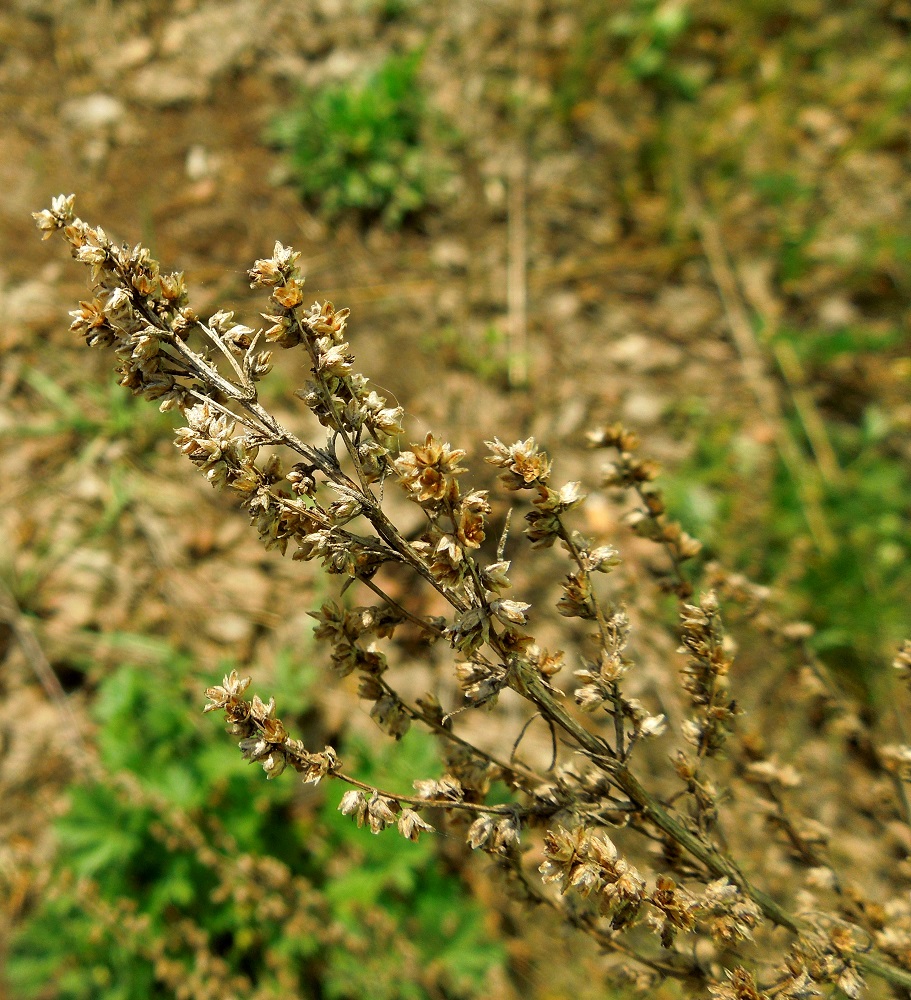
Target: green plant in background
99,413
486,354
278,896
358,147
391,10
857,591
642,39
650,30
440,928
101,430
792,202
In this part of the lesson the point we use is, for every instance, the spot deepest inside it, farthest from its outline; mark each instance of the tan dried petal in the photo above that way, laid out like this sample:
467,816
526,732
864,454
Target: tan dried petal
411,825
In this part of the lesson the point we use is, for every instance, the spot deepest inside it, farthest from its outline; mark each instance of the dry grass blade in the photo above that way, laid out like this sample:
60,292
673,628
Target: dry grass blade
804,475
11,614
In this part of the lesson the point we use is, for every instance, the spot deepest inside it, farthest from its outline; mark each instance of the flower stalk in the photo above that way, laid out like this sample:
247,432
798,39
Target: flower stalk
327,506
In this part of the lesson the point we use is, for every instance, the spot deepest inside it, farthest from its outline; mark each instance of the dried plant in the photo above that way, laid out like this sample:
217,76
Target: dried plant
717,871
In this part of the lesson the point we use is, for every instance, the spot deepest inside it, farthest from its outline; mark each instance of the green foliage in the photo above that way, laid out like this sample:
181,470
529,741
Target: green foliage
650,30
746,505
820,347
409,886
858,594
380,908
641,41
92,413
359,147
391,10
486,355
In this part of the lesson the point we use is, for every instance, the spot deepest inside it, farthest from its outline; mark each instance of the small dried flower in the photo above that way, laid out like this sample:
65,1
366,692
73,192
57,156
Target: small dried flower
327,321
493,835
524,464
770,772
290,295
651,725
602,559
902,662
316,766
336,361
274,270
381,812
481,831
354,803
615,436
729,916
390,715
59,215
494,576
226,693
576,601
897,759
470,631
545,663
592,865
481,682
740,986
446,788
510,612
411,826
428,472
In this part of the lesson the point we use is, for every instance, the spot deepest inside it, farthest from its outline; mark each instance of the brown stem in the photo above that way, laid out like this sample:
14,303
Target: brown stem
441,730
414,800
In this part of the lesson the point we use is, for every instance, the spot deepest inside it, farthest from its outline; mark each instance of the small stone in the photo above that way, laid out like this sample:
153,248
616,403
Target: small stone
163,86
29,306
93,113
644,354
836,311
132,53
449,254
643,409
200,164
564,306
688,310
228,629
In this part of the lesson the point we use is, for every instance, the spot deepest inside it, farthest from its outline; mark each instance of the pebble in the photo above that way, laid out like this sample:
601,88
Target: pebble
643,409
94,113
644,354
161,85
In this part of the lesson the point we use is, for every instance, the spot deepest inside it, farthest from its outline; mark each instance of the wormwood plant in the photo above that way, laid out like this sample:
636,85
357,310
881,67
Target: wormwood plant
717,872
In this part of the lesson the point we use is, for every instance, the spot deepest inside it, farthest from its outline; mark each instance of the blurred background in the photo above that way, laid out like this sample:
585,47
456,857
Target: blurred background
694,217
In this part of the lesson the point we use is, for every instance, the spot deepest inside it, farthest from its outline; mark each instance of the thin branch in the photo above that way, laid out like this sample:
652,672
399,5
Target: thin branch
413,800
442,730
220,344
